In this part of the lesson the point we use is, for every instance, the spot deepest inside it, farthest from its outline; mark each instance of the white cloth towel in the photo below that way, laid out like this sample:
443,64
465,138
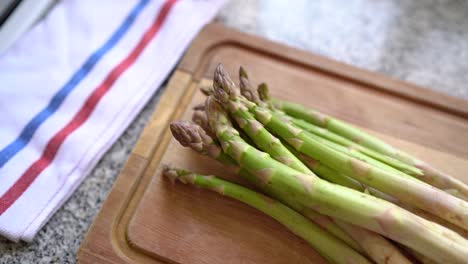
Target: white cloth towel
69,88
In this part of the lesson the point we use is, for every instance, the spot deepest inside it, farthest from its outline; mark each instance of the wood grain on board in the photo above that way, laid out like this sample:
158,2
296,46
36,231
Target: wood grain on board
145,219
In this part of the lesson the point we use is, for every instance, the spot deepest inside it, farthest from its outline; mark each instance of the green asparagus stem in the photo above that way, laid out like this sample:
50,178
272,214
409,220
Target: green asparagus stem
352,152
338,178
191,135
347,146
333,249
330,199
343,180
406,190
377,247
431,175
338,130
324,133
357,155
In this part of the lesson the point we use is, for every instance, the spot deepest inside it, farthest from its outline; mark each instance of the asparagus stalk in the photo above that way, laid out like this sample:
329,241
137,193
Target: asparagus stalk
332,137
246,88
199,118
358,155
380,216
377,247
336,177
333,249
343,180
409,191
337,201
406,190
339,143
431,175
195,137
246,91
369,242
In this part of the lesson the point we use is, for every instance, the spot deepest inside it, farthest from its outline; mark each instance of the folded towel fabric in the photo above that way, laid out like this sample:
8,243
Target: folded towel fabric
69,88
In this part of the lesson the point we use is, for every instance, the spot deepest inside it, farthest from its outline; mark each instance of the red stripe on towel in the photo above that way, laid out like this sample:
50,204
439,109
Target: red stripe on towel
28,177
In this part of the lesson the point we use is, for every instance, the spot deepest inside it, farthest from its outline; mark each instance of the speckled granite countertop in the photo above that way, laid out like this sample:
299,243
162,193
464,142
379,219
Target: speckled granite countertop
420,41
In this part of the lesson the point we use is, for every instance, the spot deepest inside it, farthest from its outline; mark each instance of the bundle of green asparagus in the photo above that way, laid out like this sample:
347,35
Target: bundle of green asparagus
351,196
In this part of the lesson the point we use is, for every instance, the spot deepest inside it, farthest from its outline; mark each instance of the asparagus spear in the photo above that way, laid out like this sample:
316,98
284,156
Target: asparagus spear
377,247
336,177
338,143
334,250
195,137
337,201
246,88
199,118
343,180
356,154
431,175
246,91
324,133
406,190
371,243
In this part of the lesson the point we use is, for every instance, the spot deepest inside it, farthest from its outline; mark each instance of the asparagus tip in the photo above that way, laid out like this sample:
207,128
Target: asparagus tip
199,117
174,174
246,90
215,113
188,134
263,92
224,87
207,90
199,107
169,172
243,73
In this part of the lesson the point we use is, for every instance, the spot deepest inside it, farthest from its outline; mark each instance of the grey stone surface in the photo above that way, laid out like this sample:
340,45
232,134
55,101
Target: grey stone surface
424,42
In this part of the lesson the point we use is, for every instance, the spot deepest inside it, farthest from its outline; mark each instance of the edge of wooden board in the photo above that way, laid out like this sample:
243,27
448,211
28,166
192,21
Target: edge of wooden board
216,35
107,234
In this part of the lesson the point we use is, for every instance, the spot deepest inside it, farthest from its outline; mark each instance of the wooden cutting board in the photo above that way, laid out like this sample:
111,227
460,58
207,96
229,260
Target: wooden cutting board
145,219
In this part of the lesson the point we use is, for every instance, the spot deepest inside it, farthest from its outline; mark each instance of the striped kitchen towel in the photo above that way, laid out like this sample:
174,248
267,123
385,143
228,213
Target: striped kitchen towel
69,88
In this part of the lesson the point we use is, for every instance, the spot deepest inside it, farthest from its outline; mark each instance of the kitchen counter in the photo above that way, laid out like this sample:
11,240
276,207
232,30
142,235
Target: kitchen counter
423,42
